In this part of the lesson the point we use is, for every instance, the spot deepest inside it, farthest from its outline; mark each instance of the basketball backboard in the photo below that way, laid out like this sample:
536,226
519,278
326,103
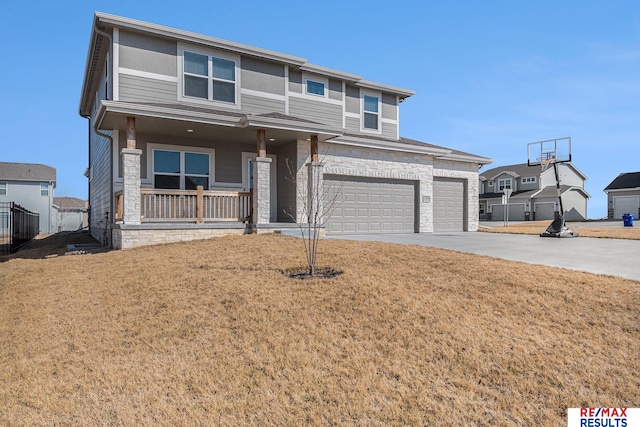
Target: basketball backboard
549,151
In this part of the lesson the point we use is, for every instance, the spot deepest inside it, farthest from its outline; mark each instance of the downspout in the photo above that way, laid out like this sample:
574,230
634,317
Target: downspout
104,135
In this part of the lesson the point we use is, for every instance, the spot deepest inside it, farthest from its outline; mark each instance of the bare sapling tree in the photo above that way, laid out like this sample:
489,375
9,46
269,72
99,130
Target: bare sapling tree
316,202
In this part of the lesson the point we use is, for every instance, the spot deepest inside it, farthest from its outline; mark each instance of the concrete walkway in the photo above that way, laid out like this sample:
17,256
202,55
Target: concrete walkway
615,257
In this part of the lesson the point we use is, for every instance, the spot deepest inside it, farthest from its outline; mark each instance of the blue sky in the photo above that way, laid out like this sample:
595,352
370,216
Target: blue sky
489,77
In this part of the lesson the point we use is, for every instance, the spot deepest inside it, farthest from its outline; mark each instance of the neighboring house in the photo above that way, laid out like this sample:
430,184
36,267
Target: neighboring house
171,111
30,186
535,194
623,196
70,213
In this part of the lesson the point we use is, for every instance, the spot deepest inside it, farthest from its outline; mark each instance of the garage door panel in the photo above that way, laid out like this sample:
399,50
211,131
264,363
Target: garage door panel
371,205
625,205
545,211
516,212
448,205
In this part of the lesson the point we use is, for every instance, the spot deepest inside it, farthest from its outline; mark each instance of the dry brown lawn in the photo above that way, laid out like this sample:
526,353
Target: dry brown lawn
212,333
537,227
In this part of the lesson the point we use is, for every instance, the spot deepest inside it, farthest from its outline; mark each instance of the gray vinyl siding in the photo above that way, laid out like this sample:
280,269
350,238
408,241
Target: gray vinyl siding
256,105
335,89
389,130
389,107
149,54
229,161
27,194
295,81
352,102
287,154
142,89
529,185
262,76
324,113
100,177
99,185
352,124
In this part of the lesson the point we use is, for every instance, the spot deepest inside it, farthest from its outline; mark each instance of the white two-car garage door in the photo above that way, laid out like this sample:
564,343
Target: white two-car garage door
448,205
370,205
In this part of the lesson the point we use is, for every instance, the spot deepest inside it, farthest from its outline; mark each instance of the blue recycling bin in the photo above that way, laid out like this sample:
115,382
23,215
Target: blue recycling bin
627,219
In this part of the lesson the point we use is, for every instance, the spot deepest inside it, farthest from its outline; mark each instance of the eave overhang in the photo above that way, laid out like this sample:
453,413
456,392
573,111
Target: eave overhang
112,115
389,145
510,173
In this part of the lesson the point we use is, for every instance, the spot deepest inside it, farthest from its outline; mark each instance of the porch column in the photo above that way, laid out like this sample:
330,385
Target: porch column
131,132
315,185
131,190
131,176
261,183
313,148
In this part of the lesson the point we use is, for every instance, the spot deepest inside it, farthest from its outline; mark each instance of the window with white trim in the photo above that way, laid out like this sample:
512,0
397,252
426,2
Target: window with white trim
481,209
315,88
529,180
370,112
490,183
182,170
209,77
44,189
504,183
3,188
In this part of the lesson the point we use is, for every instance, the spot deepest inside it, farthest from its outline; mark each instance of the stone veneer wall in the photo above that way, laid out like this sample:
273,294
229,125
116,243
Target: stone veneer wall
127,238
368,162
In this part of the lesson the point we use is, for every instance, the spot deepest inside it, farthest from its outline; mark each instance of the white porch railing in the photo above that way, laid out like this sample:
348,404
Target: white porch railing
198,206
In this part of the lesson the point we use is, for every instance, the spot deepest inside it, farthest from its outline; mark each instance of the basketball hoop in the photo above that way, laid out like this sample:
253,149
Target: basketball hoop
546,161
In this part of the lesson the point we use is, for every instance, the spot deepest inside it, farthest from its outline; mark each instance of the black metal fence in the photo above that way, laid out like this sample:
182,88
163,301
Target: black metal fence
17,226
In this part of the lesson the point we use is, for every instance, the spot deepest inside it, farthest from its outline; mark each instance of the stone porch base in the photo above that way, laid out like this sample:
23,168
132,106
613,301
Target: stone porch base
132,236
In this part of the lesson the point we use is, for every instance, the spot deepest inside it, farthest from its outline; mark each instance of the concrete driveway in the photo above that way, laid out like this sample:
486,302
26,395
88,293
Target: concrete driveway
615,257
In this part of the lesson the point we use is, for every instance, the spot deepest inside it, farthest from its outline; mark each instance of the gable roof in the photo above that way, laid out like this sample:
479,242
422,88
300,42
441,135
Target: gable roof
625,181
69,203
523,170
548,191
100,43
27,172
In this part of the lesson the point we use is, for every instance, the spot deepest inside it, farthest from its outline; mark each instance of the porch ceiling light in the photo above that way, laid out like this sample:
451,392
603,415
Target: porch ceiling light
272,139
189,130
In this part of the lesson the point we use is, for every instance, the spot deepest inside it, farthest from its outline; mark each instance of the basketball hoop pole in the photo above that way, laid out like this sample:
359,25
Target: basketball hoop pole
555,170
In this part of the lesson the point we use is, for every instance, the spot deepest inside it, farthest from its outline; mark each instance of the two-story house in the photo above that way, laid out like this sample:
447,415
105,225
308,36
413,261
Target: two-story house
193,136
534,193
31,186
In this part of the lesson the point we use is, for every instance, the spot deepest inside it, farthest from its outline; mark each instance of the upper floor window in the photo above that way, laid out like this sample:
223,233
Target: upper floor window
370,112
315,88
3,188
44,189
504,183
209,77
180,170
529,180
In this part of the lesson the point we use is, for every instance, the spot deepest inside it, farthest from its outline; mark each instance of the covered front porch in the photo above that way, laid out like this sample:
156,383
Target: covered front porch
178,177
